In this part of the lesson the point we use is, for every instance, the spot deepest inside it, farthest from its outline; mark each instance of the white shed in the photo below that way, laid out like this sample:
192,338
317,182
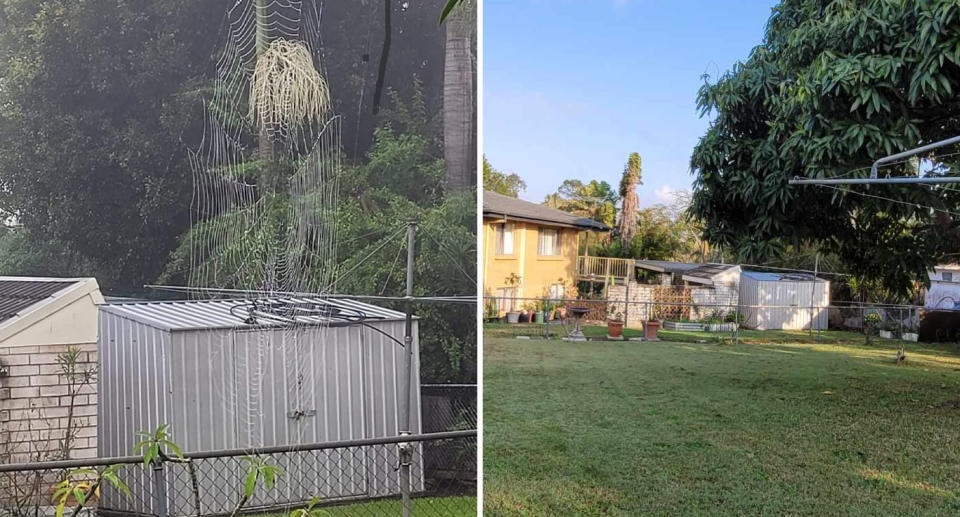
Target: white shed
944,291
784,301
41,318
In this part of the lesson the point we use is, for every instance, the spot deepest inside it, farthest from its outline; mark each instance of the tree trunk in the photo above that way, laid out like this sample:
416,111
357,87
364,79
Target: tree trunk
458,106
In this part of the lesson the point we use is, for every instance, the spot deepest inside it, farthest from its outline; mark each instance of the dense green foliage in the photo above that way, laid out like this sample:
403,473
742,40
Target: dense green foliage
501,182
400,181
596,200
98,101
610,428
834,86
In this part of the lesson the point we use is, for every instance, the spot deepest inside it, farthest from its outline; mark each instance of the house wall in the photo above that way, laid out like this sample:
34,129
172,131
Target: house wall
537,273
35,403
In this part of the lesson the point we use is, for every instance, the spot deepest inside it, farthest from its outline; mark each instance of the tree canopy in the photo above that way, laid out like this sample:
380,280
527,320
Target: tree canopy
501,182
834,86
596,200
98,100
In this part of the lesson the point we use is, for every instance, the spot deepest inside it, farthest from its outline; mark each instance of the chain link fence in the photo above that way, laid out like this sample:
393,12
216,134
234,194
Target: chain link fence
558,318
359,477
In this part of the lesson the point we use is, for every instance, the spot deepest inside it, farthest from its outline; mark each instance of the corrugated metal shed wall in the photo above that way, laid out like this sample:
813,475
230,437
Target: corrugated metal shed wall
229,388
769,304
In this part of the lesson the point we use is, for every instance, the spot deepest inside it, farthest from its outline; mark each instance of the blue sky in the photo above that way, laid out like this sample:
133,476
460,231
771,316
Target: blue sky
571,87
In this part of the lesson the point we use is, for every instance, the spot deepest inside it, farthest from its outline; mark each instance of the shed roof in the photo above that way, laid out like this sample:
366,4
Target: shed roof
233,313
498,205
765,276
695,271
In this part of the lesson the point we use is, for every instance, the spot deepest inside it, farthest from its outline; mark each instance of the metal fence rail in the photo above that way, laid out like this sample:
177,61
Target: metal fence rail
358,477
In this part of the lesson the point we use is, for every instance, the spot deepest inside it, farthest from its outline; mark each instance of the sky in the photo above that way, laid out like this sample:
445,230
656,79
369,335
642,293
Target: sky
572,87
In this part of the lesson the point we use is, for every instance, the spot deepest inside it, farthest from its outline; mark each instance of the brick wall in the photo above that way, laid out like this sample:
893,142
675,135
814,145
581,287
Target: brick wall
35,402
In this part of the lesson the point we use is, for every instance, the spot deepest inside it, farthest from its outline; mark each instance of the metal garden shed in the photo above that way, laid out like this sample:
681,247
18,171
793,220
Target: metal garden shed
784,301
234,373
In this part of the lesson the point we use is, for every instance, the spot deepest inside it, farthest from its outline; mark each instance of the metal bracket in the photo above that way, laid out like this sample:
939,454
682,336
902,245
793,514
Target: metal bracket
297,414
4,371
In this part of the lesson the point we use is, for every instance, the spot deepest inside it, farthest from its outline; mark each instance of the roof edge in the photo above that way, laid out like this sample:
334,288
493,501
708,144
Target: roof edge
31,315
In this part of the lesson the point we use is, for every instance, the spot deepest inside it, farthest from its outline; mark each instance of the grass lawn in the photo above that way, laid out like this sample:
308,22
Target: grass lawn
755,337
630,428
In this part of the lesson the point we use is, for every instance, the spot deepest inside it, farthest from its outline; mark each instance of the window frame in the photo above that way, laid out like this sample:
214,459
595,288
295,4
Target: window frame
557,250
500,231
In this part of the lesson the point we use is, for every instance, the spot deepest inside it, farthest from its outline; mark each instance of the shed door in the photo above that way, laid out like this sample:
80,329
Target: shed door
304,385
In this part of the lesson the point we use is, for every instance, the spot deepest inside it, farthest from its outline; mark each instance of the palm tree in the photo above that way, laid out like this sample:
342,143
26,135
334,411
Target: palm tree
459,123
628,195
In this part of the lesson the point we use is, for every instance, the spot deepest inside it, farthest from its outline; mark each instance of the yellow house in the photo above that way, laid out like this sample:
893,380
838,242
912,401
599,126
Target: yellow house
529,250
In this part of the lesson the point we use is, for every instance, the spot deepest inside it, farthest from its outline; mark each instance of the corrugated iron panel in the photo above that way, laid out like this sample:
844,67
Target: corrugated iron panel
238,387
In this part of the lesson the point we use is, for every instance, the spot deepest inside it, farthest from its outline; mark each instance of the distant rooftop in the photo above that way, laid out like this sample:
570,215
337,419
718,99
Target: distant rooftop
498,205
19,294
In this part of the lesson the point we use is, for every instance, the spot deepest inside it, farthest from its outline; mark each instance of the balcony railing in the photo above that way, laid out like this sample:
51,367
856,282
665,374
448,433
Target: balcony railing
600,268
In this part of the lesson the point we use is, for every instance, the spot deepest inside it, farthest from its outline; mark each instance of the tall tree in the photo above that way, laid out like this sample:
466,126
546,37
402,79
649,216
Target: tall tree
98,100
628,197
834,86
459,106
596,200
501,182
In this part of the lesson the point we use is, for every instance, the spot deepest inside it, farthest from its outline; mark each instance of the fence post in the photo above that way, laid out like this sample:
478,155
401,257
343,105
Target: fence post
546,316
626,302
159,488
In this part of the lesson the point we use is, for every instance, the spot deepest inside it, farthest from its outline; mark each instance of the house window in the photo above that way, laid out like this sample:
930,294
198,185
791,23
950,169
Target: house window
503,234
557,291
549,241
948,277
505,299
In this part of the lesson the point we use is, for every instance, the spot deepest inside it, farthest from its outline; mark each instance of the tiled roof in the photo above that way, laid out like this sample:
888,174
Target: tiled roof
17,295
498,205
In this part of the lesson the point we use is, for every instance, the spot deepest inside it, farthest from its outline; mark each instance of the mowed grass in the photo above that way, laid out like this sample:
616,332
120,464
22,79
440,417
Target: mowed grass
630,428
837,337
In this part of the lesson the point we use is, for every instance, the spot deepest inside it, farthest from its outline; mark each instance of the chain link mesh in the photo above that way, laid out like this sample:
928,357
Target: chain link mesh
362,480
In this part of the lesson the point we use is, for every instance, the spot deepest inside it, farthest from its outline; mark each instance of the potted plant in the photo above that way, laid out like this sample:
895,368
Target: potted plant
652,326
513,280
614,324
539,311
887,329
910,332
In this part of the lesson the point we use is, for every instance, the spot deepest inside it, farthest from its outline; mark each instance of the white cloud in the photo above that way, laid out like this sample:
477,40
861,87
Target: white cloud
665,194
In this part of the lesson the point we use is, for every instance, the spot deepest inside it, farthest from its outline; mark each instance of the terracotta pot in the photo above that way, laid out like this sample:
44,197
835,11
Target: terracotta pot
614,328
650,330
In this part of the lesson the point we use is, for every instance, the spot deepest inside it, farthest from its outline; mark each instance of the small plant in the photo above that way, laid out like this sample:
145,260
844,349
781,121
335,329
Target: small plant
154,445
310,510
735,317
83,486
258,467
871,326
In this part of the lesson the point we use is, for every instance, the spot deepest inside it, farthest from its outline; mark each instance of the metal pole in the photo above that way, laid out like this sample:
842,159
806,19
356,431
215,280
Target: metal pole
405,448
911,152
907,180
546,315
159,488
